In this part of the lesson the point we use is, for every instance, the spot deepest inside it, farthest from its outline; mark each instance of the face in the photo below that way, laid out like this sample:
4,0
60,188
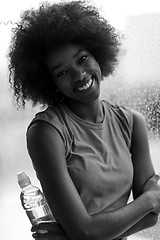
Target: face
75,72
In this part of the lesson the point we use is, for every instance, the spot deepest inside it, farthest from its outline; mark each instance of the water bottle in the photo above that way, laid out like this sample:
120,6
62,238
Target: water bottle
33,201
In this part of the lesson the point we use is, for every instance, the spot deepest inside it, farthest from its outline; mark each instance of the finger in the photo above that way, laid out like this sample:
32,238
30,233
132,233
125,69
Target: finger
34,235
158,174
156,177
47,225
47,236
50,236
38,236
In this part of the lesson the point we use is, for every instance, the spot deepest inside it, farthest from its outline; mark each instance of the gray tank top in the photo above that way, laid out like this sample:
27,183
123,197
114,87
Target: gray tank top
97,155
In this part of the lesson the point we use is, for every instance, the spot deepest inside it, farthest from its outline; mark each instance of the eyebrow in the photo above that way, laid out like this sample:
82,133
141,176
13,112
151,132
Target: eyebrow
55,67
60,64
79,51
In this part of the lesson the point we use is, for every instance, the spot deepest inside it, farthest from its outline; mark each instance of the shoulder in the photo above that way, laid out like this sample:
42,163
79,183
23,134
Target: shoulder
44,144
120,111
45,122
122,117
124,113
45,128
139,124
39,129
40,134
50,115
50,127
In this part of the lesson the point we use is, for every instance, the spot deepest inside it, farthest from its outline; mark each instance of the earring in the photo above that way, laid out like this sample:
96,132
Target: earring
57,90
60,97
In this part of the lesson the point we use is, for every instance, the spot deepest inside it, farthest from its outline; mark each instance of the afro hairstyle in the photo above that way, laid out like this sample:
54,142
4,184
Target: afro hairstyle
46,28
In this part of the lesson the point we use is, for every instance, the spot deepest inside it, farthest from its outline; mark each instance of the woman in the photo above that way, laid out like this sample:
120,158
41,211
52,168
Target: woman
88,154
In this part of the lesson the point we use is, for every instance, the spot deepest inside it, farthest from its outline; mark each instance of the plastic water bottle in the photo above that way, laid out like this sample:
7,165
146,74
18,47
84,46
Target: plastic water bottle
33,201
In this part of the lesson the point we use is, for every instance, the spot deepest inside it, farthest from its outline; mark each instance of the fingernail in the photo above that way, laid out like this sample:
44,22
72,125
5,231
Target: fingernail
42,231
32,229
34,235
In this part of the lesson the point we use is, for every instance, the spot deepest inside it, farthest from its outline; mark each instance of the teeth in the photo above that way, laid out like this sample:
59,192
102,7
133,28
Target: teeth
86,86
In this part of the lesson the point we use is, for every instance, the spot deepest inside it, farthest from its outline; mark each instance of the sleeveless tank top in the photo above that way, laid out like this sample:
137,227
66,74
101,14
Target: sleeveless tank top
97,155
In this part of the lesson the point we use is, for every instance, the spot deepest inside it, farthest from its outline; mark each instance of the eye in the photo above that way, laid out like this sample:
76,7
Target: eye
83,58
62,73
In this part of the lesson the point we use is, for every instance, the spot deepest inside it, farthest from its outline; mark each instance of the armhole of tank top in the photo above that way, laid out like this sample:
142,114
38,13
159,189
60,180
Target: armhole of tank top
70,138
126,114
129,119
66,133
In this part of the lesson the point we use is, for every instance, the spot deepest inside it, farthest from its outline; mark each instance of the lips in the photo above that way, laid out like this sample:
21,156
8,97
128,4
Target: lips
84,85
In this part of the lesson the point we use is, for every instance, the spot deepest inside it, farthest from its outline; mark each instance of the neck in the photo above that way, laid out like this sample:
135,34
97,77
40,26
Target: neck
92,112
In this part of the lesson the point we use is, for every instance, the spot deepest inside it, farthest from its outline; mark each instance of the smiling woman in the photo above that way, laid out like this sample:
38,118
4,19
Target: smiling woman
75,72
85,150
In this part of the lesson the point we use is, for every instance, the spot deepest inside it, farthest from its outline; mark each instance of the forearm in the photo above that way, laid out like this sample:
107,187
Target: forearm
148,221
113,224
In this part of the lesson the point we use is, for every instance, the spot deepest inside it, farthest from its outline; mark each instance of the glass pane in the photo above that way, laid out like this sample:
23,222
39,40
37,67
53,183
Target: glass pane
135,83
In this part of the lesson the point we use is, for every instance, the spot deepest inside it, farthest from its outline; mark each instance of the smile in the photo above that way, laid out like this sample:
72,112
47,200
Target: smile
86,85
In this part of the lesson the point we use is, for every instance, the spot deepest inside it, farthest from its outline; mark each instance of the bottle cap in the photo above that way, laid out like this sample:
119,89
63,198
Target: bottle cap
23,179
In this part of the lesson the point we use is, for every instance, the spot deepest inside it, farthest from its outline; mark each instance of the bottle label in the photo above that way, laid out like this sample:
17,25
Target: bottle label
40,213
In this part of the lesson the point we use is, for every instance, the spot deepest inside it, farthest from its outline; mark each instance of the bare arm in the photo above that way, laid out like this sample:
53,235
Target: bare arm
46,149
143,170
143,167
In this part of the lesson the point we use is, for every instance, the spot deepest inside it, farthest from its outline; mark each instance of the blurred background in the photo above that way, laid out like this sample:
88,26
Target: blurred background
135,83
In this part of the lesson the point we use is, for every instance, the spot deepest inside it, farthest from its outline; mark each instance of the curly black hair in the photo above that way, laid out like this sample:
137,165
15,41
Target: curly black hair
49,26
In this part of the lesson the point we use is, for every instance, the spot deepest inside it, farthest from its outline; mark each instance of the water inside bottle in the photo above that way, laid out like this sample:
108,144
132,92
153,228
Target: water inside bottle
40,214
36,206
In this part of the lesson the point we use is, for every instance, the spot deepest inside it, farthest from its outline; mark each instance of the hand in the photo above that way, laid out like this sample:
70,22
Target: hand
48,231
151,183
153,187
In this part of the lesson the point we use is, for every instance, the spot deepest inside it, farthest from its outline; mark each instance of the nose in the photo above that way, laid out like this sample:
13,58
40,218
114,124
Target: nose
82,74
79,74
